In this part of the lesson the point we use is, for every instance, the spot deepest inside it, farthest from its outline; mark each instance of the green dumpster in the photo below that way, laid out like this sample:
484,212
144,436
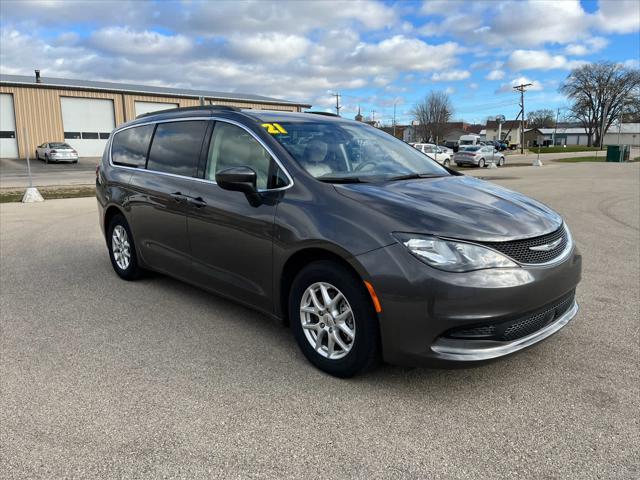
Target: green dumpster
613,153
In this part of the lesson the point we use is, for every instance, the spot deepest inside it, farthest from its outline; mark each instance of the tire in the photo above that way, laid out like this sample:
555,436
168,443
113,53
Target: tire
446,163
481,163
37,156
362,348
501,162
127,270
46,158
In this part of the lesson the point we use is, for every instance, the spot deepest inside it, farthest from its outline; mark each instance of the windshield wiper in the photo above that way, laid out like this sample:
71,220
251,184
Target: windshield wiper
411,176
341,180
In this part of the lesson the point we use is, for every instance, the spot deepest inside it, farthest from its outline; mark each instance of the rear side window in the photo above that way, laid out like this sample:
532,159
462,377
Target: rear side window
129,147
176,147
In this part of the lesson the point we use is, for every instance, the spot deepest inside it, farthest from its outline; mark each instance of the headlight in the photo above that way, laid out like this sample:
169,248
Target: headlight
450,255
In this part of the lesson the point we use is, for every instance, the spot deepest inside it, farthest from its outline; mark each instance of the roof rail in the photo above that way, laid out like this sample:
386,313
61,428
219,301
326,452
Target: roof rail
326,114
188,109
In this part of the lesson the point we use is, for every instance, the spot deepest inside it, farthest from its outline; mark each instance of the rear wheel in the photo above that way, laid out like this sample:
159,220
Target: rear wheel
122,250
481,163
501,162
333,319
446,163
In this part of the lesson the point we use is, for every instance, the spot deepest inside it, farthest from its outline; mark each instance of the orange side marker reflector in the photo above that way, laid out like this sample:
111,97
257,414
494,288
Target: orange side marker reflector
374,297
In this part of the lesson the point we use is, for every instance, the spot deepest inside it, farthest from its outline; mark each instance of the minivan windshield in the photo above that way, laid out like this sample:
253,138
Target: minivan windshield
344,151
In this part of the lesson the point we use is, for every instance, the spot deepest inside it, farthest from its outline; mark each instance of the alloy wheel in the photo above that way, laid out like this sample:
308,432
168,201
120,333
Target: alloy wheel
327,320
120,247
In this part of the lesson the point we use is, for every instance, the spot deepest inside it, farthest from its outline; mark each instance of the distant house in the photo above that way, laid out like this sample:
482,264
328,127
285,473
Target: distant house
510,131
533,137
399,131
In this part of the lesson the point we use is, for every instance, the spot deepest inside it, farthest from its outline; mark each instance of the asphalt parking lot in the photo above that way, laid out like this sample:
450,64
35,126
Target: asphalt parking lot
155,379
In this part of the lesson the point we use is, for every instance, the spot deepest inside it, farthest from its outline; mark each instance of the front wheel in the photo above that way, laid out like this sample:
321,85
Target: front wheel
333,319
501,162
446,163
481,163
122,250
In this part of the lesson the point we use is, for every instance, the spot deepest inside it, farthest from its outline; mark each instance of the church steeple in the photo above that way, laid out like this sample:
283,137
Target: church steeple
359,116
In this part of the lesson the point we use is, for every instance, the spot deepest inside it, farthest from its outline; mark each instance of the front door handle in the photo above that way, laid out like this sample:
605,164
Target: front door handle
197,202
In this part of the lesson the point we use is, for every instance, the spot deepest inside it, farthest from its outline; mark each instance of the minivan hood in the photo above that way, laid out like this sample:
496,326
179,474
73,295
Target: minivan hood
455,206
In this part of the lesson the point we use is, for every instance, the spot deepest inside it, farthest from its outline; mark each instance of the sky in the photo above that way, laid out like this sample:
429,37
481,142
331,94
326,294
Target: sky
374,53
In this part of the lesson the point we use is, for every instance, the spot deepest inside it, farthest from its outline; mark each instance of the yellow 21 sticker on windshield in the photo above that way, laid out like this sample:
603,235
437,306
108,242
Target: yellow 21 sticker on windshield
274,128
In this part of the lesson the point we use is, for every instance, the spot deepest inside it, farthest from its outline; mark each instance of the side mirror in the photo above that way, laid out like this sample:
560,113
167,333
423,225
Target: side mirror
240,179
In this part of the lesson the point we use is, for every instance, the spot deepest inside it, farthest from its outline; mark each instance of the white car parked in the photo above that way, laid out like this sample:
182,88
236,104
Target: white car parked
478,155
434,152
56,152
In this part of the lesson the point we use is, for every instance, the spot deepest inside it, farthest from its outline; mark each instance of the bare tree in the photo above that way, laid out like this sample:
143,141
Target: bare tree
543,118
600,93
432,114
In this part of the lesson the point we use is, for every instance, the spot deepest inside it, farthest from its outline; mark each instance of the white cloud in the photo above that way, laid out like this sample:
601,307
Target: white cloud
496,74
125,41
590,45
277,47
450,75
621,16
407,53
508,87
473,86
631,63
539,60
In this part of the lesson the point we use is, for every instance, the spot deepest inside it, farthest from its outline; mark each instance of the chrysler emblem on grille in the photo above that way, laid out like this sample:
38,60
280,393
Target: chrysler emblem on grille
547,246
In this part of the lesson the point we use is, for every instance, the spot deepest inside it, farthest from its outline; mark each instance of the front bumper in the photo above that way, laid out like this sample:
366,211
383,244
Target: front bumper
420,304
479,350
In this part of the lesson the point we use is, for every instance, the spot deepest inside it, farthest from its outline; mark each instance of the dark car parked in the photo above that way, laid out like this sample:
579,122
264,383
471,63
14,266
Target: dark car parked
365,246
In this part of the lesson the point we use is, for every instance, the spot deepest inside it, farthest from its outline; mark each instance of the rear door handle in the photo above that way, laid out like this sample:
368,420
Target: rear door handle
197,202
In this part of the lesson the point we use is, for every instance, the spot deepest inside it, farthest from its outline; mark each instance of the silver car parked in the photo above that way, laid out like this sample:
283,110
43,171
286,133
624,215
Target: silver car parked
479,156
56,152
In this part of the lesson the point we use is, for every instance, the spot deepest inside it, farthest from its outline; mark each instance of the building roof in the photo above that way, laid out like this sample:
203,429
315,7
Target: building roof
563,131
506,125
141,89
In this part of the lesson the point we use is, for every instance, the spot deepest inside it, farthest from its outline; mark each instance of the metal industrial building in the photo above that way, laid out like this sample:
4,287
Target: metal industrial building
34,110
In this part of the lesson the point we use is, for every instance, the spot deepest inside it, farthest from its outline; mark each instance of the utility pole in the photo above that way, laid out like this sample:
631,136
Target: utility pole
553,137
394,118
338,107
373,117
522,88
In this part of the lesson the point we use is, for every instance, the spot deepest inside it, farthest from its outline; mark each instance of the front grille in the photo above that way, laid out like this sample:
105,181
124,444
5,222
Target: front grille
519,327
520,250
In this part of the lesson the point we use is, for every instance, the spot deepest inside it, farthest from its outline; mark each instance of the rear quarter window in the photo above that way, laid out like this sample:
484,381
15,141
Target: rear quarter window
129,147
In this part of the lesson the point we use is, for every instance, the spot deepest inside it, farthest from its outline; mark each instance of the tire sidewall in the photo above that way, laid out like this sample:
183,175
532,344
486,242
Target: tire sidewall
132,271
365,351
481,163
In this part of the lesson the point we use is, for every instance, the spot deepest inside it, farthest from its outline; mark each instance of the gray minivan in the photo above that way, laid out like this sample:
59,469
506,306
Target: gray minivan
368,249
